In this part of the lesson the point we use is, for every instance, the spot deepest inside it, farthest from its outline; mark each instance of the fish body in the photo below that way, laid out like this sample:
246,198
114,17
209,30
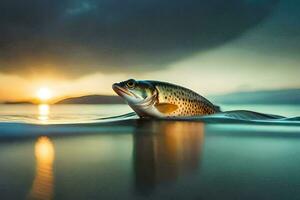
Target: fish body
160,99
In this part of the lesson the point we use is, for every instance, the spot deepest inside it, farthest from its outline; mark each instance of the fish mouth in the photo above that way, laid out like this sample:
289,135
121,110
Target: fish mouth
120,90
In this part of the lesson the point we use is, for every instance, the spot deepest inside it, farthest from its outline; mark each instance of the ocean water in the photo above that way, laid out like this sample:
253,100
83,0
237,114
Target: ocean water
58,114
49,114
84,152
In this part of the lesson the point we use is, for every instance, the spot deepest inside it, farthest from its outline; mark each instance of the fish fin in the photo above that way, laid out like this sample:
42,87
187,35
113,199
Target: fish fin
166,107
217,108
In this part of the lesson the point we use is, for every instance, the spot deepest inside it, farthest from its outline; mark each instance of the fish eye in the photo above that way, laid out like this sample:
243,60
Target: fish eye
130,83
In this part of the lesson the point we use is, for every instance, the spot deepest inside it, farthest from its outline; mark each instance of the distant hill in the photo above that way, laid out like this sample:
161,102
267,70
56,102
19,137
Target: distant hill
17,102
284,96
92,99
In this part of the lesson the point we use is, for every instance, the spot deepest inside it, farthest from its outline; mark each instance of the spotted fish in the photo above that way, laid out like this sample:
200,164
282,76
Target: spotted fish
160,99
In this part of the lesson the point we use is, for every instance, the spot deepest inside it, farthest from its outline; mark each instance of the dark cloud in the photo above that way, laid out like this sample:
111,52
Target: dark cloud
84,36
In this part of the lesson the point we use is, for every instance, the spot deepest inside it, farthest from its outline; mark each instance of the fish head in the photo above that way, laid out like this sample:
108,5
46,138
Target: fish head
136,92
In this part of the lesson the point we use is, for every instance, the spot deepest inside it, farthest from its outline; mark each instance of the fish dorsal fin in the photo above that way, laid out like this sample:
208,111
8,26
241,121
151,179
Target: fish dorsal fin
166,107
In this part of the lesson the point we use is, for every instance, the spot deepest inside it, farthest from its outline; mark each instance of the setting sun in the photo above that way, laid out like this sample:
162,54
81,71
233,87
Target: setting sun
44,93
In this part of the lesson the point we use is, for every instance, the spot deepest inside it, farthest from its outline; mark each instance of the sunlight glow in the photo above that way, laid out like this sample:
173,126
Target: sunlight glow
42,187
44,111
44,150
44,94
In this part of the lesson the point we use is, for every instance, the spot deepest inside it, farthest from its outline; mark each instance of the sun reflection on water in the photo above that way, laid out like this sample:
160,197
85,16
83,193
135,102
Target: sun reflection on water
42,187
44,110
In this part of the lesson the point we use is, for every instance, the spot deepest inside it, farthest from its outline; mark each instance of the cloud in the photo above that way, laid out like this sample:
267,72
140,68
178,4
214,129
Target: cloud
85,36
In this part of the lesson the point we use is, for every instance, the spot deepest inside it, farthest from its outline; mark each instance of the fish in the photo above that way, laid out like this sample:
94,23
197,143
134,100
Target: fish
156,99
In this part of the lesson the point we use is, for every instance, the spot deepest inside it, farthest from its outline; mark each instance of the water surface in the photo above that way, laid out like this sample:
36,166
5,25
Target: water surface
144,159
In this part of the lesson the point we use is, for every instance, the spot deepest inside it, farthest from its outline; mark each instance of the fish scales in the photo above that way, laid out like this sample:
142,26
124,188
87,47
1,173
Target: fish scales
188,102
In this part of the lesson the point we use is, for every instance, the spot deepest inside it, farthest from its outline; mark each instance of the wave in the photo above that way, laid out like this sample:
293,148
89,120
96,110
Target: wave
127,123
245,116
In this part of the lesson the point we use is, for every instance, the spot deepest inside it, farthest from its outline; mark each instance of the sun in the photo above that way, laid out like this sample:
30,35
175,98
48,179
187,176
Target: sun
44,93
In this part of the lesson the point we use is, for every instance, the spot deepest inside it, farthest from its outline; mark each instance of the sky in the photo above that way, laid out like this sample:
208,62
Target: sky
81,47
